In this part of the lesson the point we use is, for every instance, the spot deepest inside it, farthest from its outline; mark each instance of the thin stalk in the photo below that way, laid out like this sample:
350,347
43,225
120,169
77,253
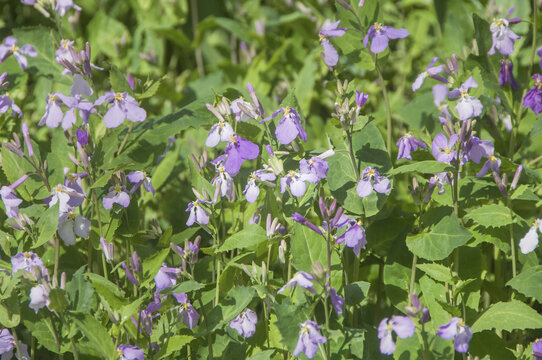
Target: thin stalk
217,294
326,313
197,51
533,43
512,243
386,105
19,355
57,258
209,339
121,147
32,348
351,155
412,279
55,333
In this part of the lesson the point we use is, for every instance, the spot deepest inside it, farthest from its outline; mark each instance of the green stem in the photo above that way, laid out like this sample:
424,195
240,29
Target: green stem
386,104
125,138
55,334
533,43
512,243
412,278
326,313
351,155
17,344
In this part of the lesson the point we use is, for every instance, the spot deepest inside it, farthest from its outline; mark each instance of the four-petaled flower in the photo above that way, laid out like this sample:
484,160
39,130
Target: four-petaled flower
309,338
406,144
457,330
124,107
130,352
245,323
71,224
503,37
442,149
187,313
289,126
251,189
371,179
380,36
431,71
329,29
10,47
197,213
237,151
533,98
26,261
403,327
296,181
117,194
467,106
537,349
492,163
39,297
529,242
302,279
354,236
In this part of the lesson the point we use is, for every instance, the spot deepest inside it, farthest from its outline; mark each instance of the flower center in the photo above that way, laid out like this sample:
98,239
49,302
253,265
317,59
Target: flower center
407,135
232,139
492,158
461,323
390,327
65,44
304,329
311,161
118,97
378,26
119,351
322,37
221,124
118,188
27,254
291,173
538,84
287,110
253,176
498,22
535,224
371,173
447,151
53,98
464,93
59,189
71,214
14,48
196,203
72,178
221,169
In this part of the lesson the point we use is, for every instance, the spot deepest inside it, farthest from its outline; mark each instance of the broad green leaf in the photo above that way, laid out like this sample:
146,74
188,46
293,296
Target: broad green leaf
289,316
229,307
58,300
10,311
307,247
43,332
528,282
437,272
80,292
43,40
422,167
537,127
96,334
264,355
118,81
103,33
107,291
102,180
185,287
355,293
490,215
249,237
164,169
508,316
440,241
173,343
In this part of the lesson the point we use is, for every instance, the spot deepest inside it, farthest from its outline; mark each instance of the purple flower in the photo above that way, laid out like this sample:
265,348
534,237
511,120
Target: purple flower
506,74
380,36
243,110
431,71
440,93
336,300
442,148
300,278
219,132
82,137
187,313
354,236
476,149
53,113
457,329
117,194
493,164
71,224
76,102
130,352
39,297
6,103
165,277
403,327
537,349
533,98
529,242
309,338
305,222
296,181
26,261
124,107
107,248
224,182
251,189
129,274
197,213
437,180
138,178
361,99
315,169
406,144
467,106
503,37
256,104
7,341
371,179
329,29
245,323
11,202
289,126
10,47
62,6
237,151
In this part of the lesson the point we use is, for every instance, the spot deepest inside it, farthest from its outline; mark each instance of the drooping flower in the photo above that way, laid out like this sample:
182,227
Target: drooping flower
129,273
187,313
442,148
219,132
533,98
197,213
165,277
457,330
492,163
130,352
251,189
406,144
124,107
256,104
437,180
537,349
296,181
467,106
476,149
503,38
304,221
117,195
300,278
245,323
7,341
401,325
430,71
529,242
380,36
289,126
506,74
62,6
243,110
107,248
11,201
71,224
26,261
39,297
315,169
371,179
329,29
53,113
223,182
336,300
138,178
309,338
354,236
6,103
82,137
10,47
361,99
238,150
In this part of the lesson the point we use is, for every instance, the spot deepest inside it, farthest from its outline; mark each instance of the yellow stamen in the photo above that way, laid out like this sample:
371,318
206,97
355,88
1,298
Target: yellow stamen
59,189
65,44
221,169
27,255
71,215
53,98
492,158
232,139
14,48
118,188
535,223
371,173
447,151
119,97
287,110
304,329
291,173
390,327
322,37
464,93
311,161
378,26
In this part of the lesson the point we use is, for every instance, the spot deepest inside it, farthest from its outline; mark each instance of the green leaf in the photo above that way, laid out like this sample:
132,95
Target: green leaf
307,247
537,127
103,33
289,316
355,293
43,332
528,282
107,291
44,42
58,300
152,89
80,292
440,241
96,334
47,225
102,180
490,216
10,312
173,343
164,169
437,272
249,237
236,301
152,264
508,316
422,167
118,81
184,287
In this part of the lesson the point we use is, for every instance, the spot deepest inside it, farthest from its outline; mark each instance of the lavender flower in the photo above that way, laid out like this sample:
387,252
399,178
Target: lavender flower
75,102
476,149
6,103
197,213
256,104
336,300
361,99
82,137
245,323
117,195
506,74
493,164
219,132
309,338
300,278
380,36
62,6
165,277
129,274
53,113
289,126
7,342
403,327
437,180
329,29
456,329
529,242
238,150
354,236
124,107
431,71
243,110
442,148
138,178
224,182
130,352
537,349
10,47
26,261
39,297
467,106
305,222
296,181
440,93
315,169
533,98
107,248
503,38
406,144
251,189
371,179
71,224
11,202
187,313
